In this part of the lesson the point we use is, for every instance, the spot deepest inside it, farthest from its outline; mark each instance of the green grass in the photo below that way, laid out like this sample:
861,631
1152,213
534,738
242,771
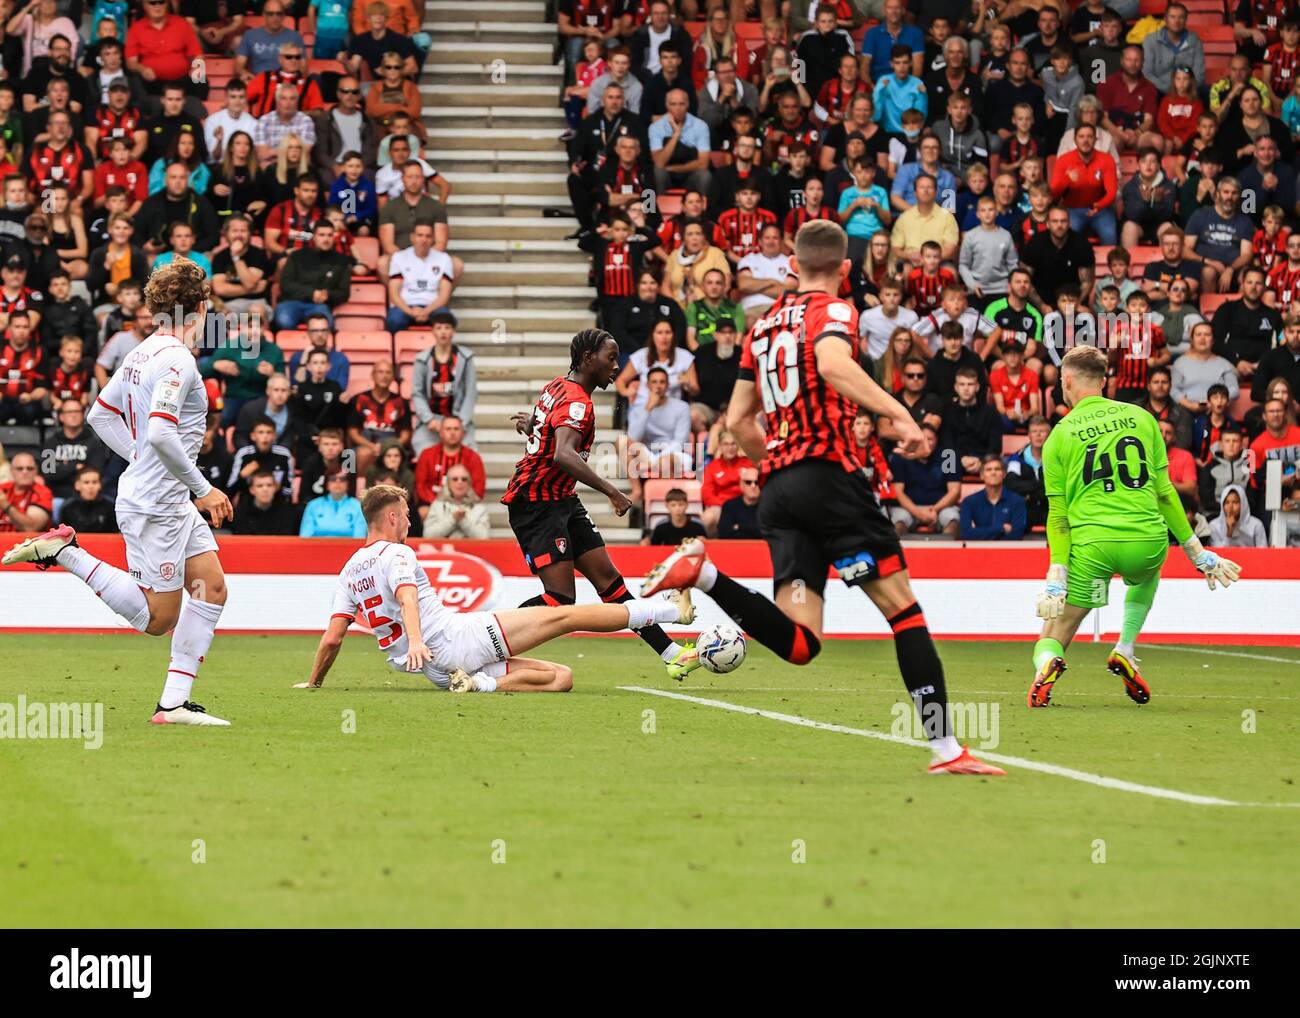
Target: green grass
394,825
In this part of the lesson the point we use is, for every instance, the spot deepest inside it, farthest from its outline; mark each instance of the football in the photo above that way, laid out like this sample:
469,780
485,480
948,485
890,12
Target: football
721,648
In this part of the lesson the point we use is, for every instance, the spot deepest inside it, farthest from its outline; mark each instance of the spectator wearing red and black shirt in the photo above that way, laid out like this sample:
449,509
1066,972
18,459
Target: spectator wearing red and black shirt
836,95
693,210
925,284
434,463
813,207
26,505
376,415
119,119
16,295
69,377
292,72
121,170
790,125
1136,346
1282,58
616,264
1283,288
62,158
1257,25
290,224
626,179
22,373
742,225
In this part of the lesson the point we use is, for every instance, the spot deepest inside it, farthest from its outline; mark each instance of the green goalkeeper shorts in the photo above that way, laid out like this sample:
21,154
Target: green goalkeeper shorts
1093,565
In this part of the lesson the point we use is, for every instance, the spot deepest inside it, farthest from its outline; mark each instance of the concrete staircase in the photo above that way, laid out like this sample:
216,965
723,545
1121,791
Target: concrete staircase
491,93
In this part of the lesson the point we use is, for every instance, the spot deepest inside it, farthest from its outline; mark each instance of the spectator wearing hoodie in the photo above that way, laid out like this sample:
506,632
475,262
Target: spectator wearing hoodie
961,139
1171,47
1062,89
1235,527
1228,466
971,427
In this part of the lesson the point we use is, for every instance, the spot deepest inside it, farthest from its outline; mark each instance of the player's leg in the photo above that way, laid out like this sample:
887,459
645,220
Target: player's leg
559,586
205,581
526,628
115,587
516,675
1090,568
596,566
887,584
1140,569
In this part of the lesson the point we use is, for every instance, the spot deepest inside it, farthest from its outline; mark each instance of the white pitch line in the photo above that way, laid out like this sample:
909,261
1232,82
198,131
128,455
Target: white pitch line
1245,695
1221,653
1100,780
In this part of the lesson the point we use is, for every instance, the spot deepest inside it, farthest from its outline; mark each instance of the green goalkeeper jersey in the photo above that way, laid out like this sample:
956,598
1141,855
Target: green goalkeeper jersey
1104,459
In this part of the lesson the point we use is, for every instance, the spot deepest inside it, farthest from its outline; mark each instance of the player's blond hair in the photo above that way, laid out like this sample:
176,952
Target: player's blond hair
820,247
178,284
1086,362
379,497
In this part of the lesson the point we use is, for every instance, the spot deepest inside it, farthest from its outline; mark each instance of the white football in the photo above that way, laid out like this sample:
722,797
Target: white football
721,648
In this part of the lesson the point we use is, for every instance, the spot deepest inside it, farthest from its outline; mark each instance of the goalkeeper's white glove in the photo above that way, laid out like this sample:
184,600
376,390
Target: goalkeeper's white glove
1215,568
1051,602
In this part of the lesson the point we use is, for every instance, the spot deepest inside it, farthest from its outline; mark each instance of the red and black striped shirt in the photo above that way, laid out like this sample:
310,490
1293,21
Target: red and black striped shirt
1269,252
441,375
47,164
805,417
670,234
384,418
1285,284
926,290
1284,66
835,99
295,227
782,137
66,384
562,404
593,13
1031,228
796,217
1018,150
26,299
20,370
116,125
1132,347
617,275
741,229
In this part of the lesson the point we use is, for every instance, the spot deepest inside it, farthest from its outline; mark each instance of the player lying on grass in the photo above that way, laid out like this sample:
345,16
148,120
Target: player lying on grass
819,506
465,652
153,413
1110,503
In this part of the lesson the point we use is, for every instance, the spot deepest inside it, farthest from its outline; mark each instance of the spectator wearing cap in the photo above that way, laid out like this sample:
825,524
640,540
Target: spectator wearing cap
117,118
444,382
1170,47
336,513
717,363
26,504
16,295
679,147
161,47
419,281
259,47
995,513
314,279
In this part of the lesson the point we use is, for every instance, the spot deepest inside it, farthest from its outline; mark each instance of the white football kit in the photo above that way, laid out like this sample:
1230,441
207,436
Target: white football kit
162,529
369,584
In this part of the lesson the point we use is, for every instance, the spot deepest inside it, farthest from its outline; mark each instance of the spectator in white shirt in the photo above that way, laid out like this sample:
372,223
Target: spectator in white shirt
878,324
764,275
419,280
220,127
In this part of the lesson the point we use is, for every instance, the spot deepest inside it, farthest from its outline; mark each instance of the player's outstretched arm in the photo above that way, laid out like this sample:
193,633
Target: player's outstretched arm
417,654
568,459
326,651
837,365
742,419
1215,568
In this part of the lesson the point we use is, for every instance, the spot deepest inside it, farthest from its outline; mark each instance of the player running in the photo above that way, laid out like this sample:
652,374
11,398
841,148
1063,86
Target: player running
554,531
1110,505
819,506
153,413
464,652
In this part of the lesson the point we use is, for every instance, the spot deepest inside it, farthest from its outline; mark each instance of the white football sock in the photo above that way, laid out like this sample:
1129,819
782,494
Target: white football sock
111,585
642,612
708,576
1127,649
946,748
190,642
484,683
670,652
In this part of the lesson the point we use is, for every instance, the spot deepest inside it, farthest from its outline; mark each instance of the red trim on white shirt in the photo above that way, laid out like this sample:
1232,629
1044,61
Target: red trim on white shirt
108,406
165,417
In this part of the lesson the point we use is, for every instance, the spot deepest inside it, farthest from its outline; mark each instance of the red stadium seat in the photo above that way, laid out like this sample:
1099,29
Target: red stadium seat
1243,403
371,345
670,203
1210,302
358,323
365,299
359,380
1012,444
216,67
321,66
366,251
969,488
291,340
1102,252
408,343
656,491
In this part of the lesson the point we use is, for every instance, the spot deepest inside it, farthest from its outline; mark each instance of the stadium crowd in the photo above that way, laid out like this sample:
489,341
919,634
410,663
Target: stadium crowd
1010,173
1014,177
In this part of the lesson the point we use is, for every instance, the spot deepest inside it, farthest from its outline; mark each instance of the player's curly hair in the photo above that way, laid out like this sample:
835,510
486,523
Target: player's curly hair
585,342
178,284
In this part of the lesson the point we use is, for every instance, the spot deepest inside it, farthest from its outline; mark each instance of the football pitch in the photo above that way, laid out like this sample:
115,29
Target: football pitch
378,801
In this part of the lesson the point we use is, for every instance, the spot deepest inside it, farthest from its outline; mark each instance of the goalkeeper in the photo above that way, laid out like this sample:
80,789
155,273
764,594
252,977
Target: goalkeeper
1110,502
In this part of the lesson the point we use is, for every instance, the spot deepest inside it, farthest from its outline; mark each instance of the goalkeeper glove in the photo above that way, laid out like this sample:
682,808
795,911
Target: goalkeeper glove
1051,602
1215,568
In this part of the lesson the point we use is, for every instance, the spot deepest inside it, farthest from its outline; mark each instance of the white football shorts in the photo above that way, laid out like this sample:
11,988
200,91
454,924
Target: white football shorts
157,547
472,641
